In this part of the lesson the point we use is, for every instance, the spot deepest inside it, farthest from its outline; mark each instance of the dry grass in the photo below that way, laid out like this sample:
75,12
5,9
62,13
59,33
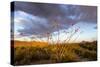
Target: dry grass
54,53
29,43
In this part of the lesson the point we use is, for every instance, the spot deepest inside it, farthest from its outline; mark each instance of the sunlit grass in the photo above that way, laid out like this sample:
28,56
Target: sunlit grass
55,53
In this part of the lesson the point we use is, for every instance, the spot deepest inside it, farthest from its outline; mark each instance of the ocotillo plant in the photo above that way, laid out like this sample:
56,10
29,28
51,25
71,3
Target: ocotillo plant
77,36
73,33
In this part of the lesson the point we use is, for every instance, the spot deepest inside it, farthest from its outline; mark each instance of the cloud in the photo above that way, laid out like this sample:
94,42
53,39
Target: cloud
86,13
30,24
38,18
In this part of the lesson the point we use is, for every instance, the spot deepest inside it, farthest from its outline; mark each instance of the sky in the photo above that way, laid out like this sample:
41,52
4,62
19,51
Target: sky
35,21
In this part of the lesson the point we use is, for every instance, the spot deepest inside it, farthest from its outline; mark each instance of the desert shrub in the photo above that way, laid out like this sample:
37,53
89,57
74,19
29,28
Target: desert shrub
54,53
89,46
63,54
19,55
26,55
90,55
85,54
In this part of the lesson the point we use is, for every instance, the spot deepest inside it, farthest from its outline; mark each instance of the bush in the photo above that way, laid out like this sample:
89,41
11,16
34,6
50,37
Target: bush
54,53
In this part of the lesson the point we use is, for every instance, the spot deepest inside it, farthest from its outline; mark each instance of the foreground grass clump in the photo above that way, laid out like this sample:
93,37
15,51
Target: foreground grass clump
55,53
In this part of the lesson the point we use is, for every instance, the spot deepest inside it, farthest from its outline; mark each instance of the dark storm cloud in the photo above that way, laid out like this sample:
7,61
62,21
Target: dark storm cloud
86,13
39,8
64,15
38,25
89,14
